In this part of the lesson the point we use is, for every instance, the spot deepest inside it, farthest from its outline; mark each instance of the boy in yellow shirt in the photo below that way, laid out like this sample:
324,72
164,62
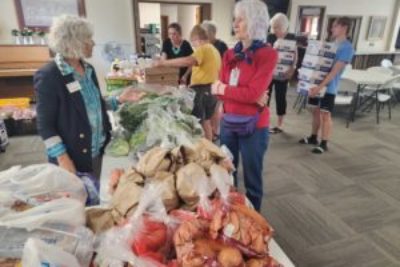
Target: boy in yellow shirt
205,63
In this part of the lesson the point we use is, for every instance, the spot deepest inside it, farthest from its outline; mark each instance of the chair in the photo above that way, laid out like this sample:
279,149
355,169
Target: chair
386,63
345,97
384,95
348,67
381,69
301,102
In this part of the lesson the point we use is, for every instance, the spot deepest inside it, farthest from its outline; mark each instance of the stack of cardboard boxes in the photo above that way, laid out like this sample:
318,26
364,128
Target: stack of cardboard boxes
317,63
286,56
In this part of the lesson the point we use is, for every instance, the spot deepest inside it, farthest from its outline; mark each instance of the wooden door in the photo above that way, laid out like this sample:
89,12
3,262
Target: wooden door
205,12
164,27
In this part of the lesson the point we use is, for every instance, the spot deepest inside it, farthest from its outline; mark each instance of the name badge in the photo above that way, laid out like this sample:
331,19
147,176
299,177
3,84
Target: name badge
73,87
234,77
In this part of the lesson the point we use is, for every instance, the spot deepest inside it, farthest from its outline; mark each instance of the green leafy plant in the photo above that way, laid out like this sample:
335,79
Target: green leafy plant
15,32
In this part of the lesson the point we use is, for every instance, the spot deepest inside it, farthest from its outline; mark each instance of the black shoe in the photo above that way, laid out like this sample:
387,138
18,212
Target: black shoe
308,141
319,149
275,130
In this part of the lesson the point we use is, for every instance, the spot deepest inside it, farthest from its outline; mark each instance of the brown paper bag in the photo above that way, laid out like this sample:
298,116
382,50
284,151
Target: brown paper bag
185,181
99,219
127,194
155,160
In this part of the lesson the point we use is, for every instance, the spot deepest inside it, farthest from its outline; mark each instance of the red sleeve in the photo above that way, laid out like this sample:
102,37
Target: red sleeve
224,72
259,83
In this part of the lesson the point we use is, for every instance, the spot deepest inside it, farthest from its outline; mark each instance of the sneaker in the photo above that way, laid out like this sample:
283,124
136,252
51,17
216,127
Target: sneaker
308,141
275,130
319,150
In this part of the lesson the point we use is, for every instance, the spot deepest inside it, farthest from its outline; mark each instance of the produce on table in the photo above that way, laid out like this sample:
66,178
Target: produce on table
163,120
118,147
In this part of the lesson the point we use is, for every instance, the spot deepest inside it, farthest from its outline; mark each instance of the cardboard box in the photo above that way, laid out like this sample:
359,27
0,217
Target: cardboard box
304,87
280,70
285,45
286,58
317,63
162,75
319,48
311,75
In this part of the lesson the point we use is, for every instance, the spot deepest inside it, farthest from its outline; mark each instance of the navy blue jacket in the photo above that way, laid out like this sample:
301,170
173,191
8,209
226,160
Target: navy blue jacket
61,113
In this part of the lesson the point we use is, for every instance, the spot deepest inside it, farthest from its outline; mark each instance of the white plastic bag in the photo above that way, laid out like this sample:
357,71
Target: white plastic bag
204,187
64,210
38,254
75,240
116,243
40,183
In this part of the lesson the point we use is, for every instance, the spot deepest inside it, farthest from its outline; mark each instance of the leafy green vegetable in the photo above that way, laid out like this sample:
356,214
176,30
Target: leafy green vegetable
137,139
132,115
118,147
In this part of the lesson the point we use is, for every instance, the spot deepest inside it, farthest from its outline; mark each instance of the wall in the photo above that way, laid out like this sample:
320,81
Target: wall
171,11
395,26
113,21
149,13
187,19
354,8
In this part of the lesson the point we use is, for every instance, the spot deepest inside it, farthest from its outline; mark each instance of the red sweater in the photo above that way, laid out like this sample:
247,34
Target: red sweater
254,79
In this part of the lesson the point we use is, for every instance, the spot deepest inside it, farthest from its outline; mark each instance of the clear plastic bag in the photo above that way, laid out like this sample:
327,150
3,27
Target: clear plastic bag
37,184
204,188
37,253
64,210
120,242
75,240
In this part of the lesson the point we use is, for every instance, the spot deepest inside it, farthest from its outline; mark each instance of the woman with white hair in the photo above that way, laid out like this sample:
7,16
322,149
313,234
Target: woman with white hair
279,28
211,29
71,114
247,70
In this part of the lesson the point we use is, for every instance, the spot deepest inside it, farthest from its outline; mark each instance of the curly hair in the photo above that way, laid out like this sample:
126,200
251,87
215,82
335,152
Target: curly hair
69,34
257,16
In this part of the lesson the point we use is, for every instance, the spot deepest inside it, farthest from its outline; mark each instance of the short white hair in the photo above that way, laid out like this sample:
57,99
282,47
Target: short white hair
281,21
69,34
257,16
209,26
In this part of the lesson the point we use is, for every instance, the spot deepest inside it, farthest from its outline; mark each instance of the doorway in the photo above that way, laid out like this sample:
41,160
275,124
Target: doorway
153,17
309,21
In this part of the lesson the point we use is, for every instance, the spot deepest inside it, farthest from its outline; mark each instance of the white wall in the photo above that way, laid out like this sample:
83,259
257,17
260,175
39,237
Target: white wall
354,8
187,19
8,20
112,20
171,11
149,13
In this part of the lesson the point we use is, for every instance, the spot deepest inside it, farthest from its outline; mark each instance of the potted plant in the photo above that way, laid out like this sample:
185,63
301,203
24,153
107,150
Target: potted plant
27,36
41,35
30,36
16,34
